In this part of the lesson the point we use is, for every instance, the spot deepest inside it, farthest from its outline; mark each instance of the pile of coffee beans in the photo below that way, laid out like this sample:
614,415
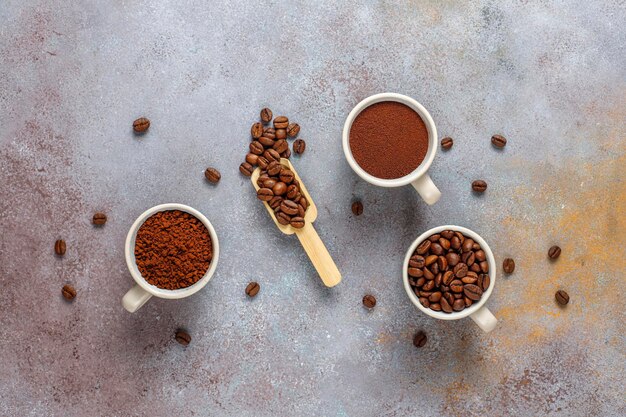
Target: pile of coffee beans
270,143
281,190
449,272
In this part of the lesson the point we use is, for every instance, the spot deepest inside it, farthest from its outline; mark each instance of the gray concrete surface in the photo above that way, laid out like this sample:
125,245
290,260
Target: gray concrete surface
74,75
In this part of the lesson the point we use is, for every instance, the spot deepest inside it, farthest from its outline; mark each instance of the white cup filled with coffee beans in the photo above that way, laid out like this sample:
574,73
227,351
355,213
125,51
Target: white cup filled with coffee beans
390,140
171,252
449,273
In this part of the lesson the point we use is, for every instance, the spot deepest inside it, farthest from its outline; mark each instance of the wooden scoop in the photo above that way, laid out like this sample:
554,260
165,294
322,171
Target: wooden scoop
307,235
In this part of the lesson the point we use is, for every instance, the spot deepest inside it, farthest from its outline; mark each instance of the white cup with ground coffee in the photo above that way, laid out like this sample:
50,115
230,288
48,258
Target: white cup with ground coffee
390,140
449,273
171,252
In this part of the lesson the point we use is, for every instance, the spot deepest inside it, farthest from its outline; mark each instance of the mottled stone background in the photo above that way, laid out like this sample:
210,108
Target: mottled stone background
74,75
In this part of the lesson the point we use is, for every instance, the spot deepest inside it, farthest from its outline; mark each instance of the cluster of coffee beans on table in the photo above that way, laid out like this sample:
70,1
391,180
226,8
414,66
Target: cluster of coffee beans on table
449,272
270,143
281,190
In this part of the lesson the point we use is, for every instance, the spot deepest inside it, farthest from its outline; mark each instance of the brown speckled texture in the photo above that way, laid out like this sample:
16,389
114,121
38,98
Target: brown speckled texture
74,76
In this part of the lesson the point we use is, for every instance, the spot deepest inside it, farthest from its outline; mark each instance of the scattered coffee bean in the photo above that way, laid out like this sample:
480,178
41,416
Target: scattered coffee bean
498,141
419,340
212,175
508,265
266,115
446,272
182,337
256,130
299,145
246,169
293,129
561,297
281,122
252,289
369,301
357,208
99,219
479,186
446,143
256,148
141,125
554,252
59,247
69,293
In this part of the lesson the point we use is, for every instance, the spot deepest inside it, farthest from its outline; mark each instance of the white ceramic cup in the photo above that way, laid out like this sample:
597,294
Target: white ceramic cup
142,291
480,314
419,178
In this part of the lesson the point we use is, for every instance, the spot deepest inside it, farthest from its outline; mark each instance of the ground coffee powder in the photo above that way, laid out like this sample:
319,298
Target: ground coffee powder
173,249
388,140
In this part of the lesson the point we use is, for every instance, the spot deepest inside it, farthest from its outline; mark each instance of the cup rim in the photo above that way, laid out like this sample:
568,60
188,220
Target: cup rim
415,106
469,310
130,256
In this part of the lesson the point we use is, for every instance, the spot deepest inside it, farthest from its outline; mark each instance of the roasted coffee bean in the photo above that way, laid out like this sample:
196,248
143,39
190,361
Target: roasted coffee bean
415,272
456,296
485,282
420,281
468,258
182,337
286,175
479,186
434,268
472,274
262,162
299,145
467,245
303,202
252,289
448,277
99,219
508,265
561,297
435,307
484,266
283,218
430,259
445,288
475,246
292,190
456,286
293,129
447,234
436,249
498,141
271,155
212,175
275,202
59,247
449,297
252,159
261,179
269,183
419,340
269,132
442,262
267,141
286,154
554,252
297,222
428,274
264,194
69,293
445,306
453,259
423,247
468,302
289,207
458,305
455,243
434,238
256,147
301,211
423,293
469,280
429,285
446,143
438,280
460,270
417,261
473,292
279,188
141,125
357,208
273,168
480,255
266,115
246,169
444,243
369,301
475,267
281,134
281,122
424,301
256,130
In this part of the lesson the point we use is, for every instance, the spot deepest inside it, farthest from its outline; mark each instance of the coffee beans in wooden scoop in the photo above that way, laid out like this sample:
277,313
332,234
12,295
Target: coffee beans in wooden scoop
280,189
449,272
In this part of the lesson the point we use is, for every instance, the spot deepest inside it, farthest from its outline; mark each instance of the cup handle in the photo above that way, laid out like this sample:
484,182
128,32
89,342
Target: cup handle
135,298
427,189
485,319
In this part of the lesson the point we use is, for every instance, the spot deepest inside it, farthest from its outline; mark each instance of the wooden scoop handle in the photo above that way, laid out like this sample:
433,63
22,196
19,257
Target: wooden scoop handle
323,263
